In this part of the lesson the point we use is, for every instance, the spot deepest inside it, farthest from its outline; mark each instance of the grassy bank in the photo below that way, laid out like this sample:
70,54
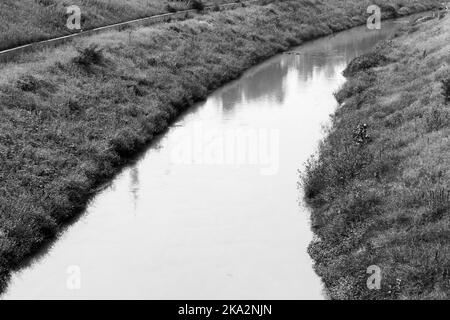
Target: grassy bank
71,118
44,19
382,197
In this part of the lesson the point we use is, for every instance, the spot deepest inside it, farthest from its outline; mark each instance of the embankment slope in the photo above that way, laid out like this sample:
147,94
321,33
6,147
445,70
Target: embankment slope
381,196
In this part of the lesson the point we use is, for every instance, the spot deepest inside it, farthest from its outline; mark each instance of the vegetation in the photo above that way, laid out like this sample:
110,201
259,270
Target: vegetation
387,202
71,118
44,19
364,62
446,89
197,5
171,8
90,55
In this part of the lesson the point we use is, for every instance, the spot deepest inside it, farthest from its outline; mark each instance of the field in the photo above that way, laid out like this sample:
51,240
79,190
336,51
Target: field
72,116
44,19
381,196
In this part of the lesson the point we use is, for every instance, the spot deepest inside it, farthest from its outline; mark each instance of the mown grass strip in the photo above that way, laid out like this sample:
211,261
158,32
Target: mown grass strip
45,19
8,54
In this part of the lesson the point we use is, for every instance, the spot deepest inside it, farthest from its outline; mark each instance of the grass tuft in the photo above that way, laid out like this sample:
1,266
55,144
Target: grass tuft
446,89
197,5
90,55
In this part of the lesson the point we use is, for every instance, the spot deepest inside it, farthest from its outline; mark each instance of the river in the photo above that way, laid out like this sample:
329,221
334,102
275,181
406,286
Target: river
212,209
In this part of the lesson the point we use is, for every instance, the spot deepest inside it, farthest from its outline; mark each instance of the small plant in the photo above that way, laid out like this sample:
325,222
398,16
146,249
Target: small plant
216,8
197,5
446,89
360,135
45,3
436,119
170,8
28,83
91,55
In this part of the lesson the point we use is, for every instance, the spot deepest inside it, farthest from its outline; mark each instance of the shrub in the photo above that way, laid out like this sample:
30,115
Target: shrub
446,89
28,83
126,141
45,3
313,179
438,205
171,8
198,5
91,55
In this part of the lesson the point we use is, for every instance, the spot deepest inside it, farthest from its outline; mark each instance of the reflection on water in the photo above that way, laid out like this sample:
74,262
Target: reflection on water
268,81
134,185
210,230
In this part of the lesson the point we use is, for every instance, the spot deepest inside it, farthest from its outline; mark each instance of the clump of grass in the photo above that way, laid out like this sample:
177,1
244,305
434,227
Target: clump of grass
436,119
90,55
197,5
364,62
446,89
28,83
45,3
126,141
171,8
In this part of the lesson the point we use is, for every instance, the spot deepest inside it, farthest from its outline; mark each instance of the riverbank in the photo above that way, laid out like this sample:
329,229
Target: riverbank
72,118
380,195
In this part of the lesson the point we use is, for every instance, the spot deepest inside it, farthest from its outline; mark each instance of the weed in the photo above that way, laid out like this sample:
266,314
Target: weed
446,89
436,119
197,5
91,55
171,8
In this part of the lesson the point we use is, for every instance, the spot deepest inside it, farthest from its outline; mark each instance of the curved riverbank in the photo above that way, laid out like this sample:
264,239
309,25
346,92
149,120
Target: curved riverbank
71,119
380,194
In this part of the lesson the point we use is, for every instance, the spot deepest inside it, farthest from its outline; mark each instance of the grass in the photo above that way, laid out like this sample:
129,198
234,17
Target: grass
387,202
44,19
72,116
